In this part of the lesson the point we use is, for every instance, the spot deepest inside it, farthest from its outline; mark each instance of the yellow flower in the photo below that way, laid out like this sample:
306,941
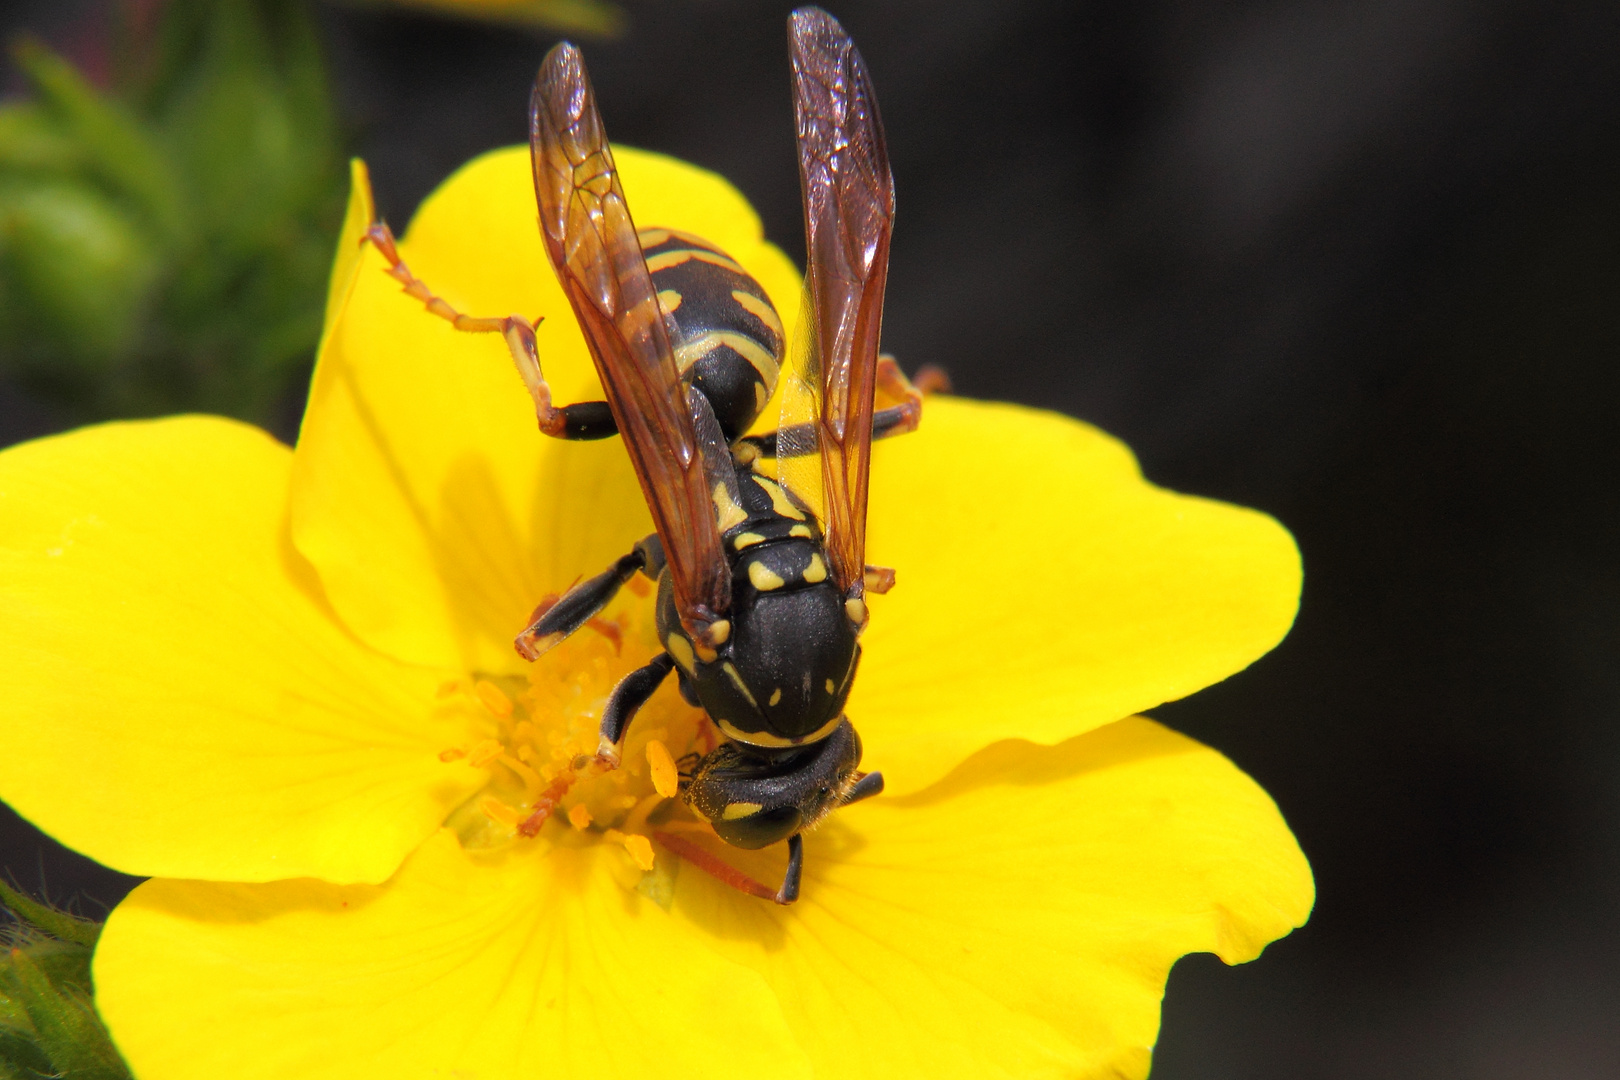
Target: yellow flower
281,683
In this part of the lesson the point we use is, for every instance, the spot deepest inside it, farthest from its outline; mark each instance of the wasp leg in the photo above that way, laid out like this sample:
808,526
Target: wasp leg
895,420
727,874
626,700
868,785
789,891
554,622
585,420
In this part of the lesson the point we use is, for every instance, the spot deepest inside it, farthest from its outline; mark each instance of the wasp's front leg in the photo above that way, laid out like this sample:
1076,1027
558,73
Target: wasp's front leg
556,620
582,420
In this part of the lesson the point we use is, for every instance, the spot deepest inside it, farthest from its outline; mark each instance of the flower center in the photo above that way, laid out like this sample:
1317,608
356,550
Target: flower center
545,729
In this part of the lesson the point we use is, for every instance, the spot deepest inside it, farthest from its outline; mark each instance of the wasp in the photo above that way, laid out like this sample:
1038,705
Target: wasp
759,553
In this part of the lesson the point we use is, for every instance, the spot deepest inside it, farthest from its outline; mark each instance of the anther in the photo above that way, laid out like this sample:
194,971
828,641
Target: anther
452,754
493,698
485,752
665,777
579,816
498,811
639,847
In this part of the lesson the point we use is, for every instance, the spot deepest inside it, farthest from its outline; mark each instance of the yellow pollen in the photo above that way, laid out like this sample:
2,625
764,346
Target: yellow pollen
485,752
493,698
666,779
579,817
498,811
639,847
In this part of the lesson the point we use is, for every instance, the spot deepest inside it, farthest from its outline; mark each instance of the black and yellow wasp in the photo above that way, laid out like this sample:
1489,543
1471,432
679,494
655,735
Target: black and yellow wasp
761,578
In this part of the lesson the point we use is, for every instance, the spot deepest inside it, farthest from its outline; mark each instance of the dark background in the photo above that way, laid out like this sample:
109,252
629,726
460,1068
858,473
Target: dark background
1355,263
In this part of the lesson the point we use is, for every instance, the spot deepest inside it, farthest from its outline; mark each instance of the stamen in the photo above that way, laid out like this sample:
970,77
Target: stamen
714,866
532,782
665,777
579,817
485,752
639,847
493,698
498,811
609,630
455,753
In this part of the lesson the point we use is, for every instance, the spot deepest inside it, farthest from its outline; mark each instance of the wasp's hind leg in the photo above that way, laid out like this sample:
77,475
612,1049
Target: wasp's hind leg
584,420
557,619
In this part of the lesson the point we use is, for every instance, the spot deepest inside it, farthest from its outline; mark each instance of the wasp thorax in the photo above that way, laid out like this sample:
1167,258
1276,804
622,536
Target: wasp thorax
537,731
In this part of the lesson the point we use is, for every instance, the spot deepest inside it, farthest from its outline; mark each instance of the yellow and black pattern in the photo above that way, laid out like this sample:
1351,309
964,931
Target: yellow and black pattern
728,336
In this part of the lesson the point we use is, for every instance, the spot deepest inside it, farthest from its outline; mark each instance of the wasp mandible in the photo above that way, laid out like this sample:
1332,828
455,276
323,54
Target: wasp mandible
761,578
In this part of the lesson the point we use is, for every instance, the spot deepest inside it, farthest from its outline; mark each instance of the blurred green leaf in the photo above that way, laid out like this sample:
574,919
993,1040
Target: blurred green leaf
58,924
164,244
588,18
49,1029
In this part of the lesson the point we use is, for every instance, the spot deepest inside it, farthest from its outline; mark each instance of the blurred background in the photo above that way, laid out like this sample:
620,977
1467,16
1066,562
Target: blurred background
1354,263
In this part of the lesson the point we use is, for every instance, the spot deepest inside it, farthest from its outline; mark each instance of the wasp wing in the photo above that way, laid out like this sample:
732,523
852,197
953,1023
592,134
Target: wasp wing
592,244
849,214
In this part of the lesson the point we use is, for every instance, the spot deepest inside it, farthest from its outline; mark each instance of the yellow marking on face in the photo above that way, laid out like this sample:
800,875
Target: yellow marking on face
779,499
725,507
690,352
776,696
855,610
832,687
801,530
736,680
651,238
681,650
736,810
746,540
759,309
816,572
669,300
763,578
666,259
765,738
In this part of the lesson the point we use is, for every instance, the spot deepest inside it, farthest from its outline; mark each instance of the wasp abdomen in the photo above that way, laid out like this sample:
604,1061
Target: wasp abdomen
728,336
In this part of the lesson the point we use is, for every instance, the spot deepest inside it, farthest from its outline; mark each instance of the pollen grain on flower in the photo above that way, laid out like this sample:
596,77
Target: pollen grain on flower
540,753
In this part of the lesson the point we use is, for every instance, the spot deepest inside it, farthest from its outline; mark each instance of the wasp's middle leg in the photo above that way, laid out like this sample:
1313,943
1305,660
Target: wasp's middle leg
583,420
898,419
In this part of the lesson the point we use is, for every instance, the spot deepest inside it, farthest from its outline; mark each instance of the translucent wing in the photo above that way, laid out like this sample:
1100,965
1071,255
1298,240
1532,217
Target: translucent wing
849,214
592,244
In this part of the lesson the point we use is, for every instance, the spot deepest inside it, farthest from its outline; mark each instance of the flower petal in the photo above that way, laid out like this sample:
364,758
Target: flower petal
507,970
179,699
1020,917
434,511
1045,588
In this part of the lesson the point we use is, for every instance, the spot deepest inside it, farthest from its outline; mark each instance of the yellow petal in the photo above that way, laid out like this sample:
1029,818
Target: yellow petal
1018,919
434,511
179,700
1045,588
528,967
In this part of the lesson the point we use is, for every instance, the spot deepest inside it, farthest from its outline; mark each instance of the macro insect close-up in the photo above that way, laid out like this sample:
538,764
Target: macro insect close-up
495,581
760,542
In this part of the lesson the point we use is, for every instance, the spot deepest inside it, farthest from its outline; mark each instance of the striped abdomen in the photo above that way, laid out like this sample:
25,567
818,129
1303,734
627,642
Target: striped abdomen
728,340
